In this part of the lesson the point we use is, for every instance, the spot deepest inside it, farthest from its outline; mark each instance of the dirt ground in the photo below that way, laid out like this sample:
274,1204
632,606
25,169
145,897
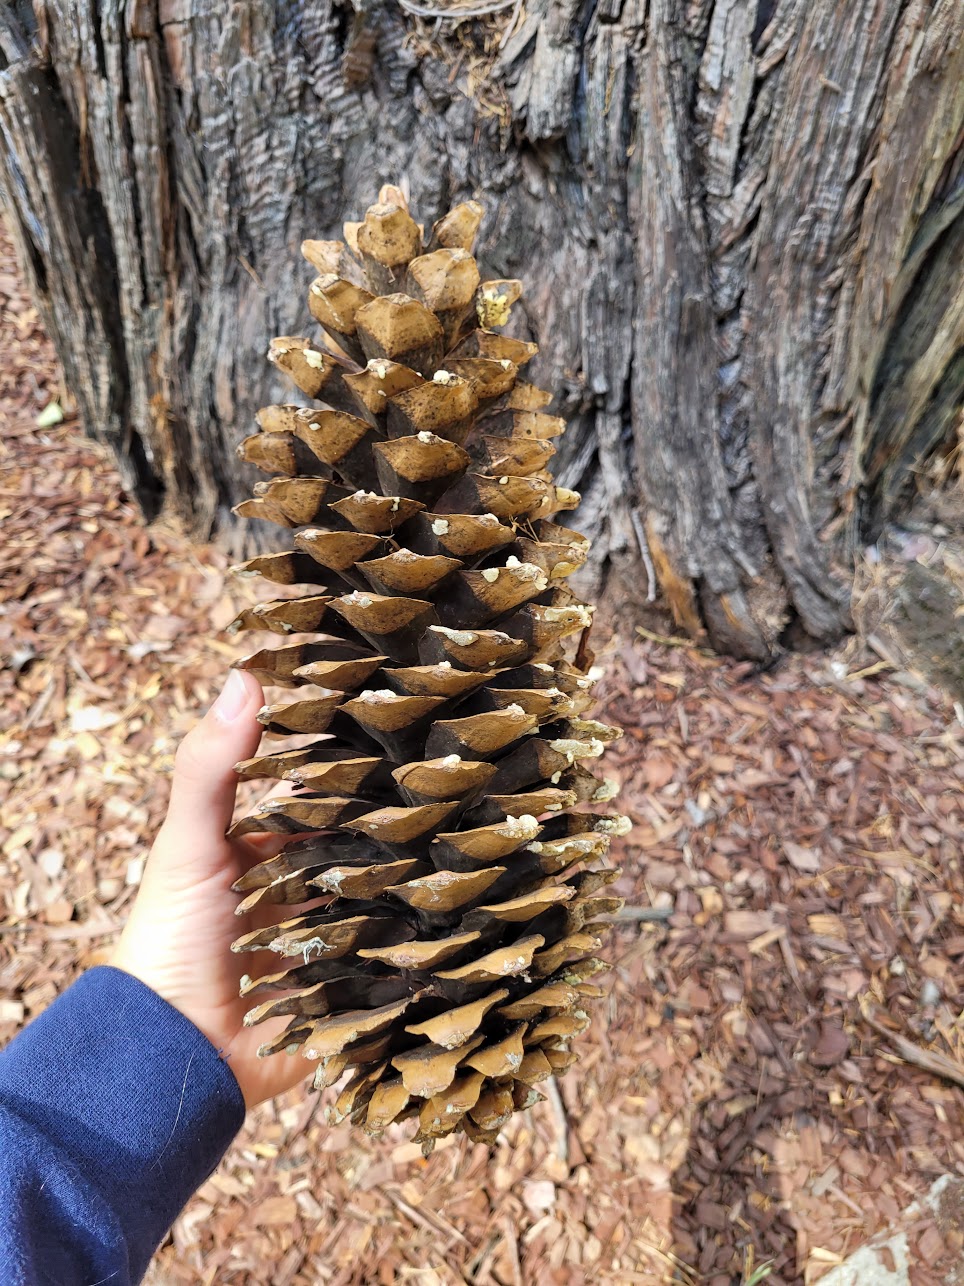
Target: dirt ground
779,1068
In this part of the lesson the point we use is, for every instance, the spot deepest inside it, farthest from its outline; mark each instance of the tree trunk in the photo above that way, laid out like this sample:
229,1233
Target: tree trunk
739,223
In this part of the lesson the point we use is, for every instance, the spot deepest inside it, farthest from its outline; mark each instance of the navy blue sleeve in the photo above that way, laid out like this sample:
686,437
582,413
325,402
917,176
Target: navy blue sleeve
114,1108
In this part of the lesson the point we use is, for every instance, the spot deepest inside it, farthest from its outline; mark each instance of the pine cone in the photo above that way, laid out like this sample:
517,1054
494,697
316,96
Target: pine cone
437,810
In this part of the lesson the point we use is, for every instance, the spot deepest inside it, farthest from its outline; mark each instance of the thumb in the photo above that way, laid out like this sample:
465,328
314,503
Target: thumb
205,783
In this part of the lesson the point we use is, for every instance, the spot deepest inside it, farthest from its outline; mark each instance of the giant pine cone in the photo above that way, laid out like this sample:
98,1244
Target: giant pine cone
437,828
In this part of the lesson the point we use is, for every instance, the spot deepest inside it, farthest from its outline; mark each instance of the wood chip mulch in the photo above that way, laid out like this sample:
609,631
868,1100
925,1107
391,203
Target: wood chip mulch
779,1069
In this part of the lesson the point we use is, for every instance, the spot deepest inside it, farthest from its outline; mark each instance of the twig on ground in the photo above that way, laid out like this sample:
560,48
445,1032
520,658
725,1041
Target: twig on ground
790,961
930,1060
431,1220
681,1269
561,1119
668,640
40,705
642,914
512,1247
773,1038
867,671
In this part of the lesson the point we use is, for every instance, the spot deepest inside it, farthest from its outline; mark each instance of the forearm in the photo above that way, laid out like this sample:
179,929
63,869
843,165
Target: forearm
114,1108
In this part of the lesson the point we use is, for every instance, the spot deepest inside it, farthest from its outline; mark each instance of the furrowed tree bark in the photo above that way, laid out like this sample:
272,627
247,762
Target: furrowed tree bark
739,222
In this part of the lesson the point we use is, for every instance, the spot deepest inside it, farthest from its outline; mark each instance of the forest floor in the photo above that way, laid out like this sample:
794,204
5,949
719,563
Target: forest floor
779,1070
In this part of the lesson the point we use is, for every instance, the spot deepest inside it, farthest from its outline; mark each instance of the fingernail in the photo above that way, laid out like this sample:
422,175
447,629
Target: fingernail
233,698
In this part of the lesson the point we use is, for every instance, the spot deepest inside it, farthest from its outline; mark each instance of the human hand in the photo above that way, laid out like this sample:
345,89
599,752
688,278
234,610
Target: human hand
178,937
